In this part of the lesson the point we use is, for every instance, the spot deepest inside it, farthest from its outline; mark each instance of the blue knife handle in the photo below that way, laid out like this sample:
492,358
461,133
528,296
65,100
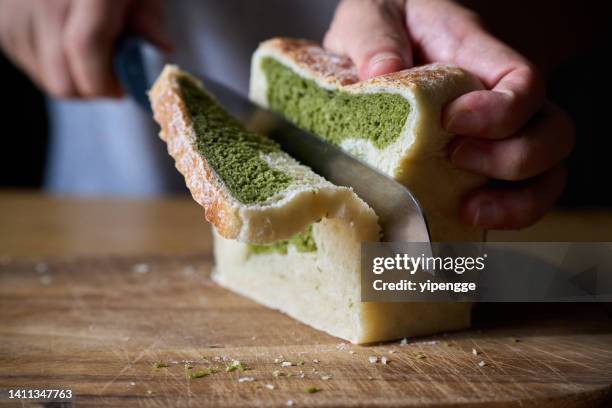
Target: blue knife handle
128,65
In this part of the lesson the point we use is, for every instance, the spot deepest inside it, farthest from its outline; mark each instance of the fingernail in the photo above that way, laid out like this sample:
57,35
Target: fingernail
383,63
488,214
469,156
464,122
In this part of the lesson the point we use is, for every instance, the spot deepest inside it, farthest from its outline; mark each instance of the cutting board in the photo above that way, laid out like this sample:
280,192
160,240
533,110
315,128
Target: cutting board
99,325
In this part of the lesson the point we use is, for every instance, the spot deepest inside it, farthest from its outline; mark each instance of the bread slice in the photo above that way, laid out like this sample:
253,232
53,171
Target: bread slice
297,248
250,189
392,121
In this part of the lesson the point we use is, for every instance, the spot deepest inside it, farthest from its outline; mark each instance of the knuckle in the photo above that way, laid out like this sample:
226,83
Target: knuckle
515,162
528,96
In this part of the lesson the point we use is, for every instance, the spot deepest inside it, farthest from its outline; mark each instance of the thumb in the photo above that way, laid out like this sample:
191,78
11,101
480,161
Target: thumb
372,34
147,19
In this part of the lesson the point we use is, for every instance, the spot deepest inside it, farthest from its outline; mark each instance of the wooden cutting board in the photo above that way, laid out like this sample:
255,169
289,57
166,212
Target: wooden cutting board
97,326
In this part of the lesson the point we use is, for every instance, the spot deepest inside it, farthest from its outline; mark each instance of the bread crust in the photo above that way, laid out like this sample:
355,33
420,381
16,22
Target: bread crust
332,68
339,70
170,112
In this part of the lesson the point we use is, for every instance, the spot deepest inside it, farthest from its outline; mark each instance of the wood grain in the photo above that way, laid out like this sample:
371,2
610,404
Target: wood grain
40,226
94,292
98,325
37,226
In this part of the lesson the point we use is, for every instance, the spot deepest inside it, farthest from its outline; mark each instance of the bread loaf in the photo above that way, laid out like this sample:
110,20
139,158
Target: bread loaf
283,235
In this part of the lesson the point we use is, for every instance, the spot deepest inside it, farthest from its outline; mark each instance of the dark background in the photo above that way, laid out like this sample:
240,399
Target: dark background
569,40
24,130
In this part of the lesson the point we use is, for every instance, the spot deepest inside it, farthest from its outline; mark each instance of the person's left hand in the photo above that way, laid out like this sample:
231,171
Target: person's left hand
507,132
66,47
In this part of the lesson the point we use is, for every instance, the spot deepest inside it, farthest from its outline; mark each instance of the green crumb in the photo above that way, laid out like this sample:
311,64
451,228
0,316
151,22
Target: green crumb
232,151
420,355
515,340
188,367
334,115
277,373
159,364
202,373
312,389
279,247
302,242
199,374
236,365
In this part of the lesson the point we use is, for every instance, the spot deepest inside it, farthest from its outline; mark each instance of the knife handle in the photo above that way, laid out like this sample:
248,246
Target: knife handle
128,64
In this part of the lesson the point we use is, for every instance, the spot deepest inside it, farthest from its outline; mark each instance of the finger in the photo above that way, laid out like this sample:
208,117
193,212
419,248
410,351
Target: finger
500,112
147,20
516,207
538,147
20,44
372,34
53,64
446,32
91,30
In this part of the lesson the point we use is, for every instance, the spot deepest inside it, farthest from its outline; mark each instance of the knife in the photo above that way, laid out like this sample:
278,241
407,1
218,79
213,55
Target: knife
400,214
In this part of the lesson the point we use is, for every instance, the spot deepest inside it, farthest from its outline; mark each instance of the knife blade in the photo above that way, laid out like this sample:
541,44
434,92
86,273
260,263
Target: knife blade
400,214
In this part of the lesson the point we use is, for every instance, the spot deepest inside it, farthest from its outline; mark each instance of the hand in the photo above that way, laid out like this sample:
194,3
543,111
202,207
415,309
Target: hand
507,132
66,46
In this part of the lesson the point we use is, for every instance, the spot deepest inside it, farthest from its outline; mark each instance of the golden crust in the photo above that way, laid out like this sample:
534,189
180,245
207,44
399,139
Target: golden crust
332,68
338,70
170,112
426,77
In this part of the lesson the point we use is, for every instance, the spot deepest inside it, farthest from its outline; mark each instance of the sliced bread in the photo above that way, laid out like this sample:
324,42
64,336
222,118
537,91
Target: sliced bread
250,189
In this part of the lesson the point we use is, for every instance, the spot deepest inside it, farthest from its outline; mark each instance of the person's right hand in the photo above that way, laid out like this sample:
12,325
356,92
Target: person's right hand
508,131
66,46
